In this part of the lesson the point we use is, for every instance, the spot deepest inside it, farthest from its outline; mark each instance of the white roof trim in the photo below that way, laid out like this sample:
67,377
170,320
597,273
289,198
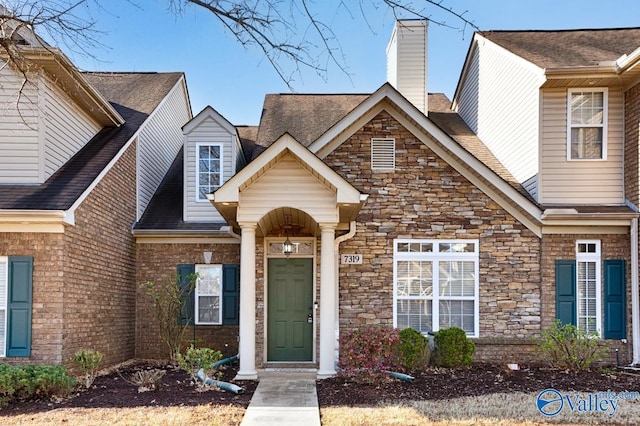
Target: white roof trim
229,192
208,112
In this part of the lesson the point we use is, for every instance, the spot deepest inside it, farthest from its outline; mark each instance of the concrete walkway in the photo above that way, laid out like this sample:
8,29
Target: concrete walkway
282,399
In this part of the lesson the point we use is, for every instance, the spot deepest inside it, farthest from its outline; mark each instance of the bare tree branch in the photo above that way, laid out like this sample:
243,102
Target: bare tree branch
293,32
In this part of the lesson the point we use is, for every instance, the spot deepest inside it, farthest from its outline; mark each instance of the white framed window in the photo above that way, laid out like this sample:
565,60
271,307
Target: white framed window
208,293
4,290
588,285
208,169
383,153
435,285
587,113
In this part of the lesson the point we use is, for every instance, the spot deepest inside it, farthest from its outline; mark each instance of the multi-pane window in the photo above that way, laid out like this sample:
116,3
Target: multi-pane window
587,124
207,294
209,169
436,285
588,285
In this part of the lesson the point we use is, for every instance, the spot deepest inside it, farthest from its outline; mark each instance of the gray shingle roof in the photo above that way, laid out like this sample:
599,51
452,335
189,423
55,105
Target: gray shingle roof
309,118
305,117
568,48
63,188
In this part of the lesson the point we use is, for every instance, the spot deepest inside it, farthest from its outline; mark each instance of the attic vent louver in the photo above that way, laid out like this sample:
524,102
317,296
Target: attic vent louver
383,154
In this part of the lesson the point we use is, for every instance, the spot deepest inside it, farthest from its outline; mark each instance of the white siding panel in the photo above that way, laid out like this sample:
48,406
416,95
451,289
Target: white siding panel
209,131
407,61
19,142
67,128
499,101
508,101
468,102
579,182
531,185
159,141
288,184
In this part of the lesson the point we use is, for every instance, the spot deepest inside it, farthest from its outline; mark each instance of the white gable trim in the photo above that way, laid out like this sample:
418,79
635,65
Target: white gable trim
230,191
208,113
441,143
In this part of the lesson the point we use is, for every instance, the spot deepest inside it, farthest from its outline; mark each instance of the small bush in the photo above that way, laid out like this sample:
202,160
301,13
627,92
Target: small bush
367,354
22,383
453,348
414,350
567,347
196,358
88,361
147,380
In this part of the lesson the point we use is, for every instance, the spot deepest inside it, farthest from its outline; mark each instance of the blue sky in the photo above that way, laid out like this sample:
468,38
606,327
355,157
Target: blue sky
234,80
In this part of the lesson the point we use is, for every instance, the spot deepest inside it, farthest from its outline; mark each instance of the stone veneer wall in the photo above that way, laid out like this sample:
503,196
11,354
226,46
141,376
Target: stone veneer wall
424,198
564,247
157,262
47,251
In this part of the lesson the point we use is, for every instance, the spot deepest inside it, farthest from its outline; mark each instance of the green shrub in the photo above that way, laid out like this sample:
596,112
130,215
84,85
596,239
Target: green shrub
22,383
414,350
196,358
366,355
453,348
88,361
569,348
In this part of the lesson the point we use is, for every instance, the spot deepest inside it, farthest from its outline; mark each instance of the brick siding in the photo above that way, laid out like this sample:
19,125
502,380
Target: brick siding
564,247
47,251
632,144
83,280
158,262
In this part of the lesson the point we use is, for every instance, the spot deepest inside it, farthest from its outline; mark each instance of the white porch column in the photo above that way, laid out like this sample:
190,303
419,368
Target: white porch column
328,297
247,346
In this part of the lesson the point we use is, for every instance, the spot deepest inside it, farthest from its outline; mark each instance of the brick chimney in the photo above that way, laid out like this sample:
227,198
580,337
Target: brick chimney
407,61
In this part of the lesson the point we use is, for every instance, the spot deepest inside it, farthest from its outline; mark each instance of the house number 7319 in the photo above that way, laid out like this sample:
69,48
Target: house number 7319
351,259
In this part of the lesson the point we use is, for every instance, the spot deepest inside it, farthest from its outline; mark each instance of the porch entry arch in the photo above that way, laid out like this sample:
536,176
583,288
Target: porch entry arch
287,176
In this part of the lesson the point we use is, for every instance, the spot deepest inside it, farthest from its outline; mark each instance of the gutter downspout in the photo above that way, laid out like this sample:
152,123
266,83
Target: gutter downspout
635,293
341,238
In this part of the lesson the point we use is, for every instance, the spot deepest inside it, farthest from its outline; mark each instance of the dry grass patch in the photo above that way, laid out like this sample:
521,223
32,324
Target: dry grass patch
393,415
496,409
139,416
519,408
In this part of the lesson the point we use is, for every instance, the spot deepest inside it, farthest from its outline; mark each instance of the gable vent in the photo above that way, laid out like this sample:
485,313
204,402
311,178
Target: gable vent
383,153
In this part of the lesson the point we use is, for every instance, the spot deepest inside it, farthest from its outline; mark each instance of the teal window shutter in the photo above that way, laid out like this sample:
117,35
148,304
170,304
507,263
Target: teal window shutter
615,292
19,301
185,271
231,294
566,308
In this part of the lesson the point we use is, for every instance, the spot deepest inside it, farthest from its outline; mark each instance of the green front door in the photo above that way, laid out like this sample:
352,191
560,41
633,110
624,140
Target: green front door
290,304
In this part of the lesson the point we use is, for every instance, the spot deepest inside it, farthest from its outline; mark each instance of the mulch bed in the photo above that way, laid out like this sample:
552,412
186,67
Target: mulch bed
114,390
480,379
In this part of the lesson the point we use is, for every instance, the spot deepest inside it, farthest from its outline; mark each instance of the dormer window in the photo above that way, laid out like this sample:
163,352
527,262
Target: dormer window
383,154
587,124
208,169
